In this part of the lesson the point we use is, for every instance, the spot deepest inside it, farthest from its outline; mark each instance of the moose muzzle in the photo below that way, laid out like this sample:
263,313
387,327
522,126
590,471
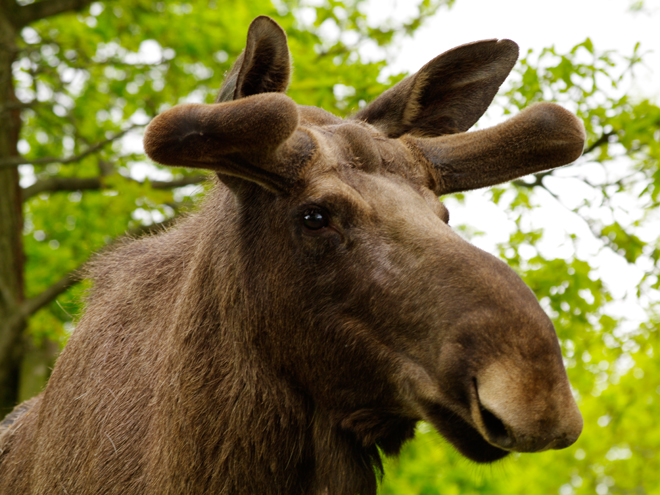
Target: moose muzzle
517,411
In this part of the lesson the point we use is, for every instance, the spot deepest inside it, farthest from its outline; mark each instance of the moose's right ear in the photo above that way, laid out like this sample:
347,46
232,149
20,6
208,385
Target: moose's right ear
447,95
263,67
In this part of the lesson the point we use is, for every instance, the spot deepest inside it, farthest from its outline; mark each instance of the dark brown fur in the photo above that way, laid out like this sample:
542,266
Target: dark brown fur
247,351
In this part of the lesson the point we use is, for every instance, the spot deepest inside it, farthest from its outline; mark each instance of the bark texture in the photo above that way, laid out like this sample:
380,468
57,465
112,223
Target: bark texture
13,311
11,262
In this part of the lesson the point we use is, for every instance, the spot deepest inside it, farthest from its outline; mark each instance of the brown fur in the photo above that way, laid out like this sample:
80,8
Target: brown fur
315,308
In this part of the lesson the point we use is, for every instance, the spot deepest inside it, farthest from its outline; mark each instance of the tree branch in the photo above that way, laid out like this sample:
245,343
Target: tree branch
538,180
18,105
20,160
34,304
605,138
46,8
55,184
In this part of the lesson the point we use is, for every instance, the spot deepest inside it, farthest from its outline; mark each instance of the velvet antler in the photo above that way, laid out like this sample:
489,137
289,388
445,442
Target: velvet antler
251,134
541,137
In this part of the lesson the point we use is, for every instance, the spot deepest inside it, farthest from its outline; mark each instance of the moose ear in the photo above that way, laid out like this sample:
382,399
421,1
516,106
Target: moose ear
263,67
447,95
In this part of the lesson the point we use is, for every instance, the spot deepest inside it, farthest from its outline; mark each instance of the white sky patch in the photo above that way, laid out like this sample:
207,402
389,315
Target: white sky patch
536,25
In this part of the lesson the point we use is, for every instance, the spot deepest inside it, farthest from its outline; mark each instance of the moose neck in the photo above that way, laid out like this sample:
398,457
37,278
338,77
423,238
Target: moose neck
237,422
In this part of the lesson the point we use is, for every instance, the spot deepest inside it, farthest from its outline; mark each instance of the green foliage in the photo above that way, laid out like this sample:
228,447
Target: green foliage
89,76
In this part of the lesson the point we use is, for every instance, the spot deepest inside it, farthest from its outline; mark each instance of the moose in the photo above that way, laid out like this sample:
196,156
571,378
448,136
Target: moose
316,307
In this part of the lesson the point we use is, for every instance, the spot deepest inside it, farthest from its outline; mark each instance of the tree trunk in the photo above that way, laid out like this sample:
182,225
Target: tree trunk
11,220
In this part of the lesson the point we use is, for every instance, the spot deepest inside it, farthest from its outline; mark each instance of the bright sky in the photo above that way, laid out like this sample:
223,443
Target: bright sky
536,25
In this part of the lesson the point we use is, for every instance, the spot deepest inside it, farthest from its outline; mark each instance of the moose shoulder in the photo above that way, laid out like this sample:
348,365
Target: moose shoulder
316,307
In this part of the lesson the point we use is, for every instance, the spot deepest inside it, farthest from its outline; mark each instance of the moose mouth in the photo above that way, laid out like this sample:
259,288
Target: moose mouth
486,441
463,436
467,424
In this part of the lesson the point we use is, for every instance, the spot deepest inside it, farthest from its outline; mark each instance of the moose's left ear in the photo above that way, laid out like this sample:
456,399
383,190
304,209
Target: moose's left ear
263,67
447,95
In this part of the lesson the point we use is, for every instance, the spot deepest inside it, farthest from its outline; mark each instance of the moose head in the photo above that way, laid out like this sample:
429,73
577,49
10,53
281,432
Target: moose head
317,306
385,315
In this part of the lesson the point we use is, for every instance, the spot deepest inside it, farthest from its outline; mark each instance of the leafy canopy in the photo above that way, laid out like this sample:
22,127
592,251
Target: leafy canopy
91,81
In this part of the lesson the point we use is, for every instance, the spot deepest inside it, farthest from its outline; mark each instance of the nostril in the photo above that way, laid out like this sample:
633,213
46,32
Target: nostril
497,432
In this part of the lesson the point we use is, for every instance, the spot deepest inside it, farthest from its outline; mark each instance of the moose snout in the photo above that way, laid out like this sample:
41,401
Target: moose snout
543,438
517,411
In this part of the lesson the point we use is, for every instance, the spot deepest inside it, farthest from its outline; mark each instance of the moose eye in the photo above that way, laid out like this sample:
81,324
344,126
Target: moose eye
315,219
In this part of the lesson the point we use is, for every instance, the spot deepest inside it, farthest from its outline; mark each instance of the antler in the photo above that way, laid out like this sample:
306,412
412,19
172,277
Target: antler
239,138
541,137
251,133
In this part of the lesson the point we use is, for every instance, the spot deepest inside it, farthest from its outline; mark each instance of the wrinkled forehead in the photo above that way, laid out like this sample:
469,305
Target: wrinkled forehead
363,181
382,197
358,145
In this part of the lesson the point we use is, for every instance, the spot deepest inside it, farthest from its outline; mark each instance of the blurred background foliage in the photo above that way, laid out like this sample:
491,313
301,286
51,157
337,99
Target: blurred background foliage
86,77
